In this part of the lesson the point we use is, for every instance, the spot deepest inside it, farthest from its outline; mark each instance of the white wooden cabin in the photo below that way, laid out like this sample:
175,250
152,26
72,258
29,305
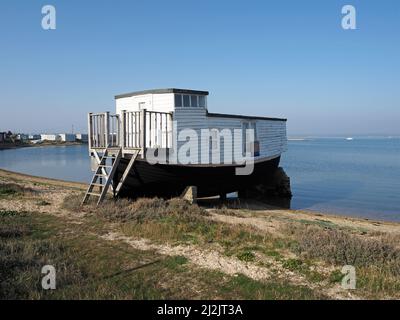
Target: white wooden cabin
189,109
162,121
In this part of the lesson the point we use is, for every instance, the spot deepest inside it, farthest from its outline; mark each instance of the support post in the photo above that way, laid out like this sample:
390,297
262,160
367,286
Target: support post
90,130
143,132
107,128
190,194
122,135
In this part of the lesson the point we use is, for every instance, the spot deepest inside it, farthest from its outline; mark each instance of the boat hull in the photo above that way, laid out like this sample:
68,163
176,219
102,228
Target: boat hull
166,180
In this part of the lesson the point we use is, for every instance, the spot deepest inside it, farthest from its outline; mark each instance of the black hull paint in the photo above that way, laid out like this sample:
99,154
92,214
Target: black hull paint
166,180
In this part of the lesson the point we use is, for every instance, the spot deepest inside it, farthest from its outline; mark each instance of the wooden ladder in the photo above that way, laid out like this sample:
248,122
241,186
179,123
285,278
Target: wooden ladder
102,175
115,154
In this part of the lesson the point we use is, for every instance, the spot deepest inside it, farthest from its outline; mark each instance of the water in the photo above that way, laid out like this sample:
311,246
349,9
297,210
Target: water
71,163
359,177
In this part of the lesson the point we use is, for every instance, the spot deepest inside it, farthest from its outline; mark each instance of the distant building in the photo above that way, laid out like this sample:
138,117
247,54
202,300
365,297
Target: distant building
3,136
67,137
81,137
50,137
34,137
22,137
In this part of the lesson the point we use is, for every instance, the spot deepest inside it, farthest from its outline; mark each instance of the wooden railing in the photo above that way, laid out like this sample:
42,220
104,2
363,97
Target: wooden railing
104,130
133,129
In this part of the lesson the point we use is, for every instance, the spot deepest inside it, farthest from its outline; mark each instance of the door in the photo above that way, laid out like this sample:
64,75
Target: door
142,105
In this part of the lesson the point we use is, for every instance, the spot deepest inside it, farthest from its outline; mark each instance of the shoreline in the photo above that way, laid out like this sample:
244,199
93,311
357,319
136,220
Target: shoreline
257,206
36,145
37,179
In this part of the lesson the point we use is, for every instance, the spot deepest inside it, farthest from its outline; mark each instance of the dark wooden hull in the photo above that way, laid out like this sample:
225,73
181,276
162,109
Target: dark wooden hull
166,180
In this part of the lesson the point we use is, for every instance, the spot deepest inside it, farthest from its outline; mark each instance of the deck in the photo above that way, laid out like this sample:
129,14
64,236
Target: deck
130,131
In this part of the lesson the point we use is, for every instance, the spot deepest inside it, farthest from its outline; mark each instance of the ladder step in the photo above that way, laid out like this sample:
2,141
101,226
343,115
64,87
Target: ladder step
101,175
105,166
97,185
94,194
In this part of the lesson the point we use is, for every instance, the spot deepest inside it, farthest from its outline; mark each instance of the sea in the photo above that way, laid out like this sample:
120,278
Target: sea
357,176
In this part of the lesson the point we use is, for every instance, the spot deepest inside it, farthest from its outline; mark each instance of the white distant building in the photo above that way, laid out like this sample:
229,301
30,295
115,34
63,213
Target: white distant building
50,137
22,137
34,137
67,137
81,137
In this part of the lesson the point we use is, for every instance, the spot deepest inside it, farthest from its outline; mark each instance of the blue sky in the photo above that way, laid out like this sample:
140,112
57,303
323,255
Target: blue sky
275,58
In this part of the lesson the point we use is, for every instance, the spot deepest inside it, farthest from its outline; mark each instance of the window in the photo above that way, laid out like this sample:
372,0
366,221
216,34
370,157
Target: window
193,101
178,100
186,101
202,101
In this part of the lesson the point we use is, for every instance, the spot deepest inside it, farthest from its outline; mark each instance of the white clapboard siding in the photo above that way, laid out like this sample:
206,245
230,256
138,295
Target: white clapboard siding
271,134
152,102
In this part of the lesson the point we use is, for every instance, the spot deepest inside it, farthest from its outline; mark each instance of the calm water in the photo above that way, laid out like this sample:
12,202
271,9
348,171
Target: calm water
70,163
359,177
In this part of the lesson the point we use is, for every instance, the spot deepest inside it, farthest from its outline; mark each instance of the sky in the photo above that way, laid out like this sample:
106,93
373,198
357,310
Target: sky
284,58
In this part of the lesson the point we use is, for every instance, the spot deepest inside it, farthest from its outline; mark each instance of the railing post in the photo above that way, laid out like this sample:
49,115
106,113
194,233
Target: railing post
90,130
122,136
107,127
143,131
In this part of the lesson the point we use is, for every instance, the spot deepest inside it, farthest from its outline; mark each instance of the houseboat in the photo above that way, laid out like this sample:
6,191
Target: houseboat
161,141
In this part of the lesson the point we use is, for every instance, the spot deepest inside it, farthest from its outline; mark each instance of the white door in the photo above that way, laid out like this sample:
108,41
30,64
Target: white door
142,105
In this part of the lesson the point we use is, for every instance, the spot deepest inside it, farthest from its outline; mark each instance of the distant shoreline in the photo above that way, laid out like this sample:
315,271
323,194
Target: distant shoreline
8,146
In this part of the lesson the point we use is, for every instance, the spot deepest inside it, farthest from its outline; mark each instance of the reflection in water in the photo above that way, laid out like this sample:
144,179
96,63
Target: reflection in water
67,163
358,177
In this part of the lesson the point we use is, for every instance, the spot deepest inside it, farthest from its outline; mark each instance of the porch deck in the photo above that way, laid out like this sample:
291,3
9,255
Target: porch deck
129,131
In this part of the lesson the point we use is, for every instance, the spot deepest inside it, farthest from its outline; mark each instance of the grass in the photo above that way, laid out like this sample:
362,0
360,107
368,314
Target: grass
13,189
377,260
246,256
249,289
89,267
92,268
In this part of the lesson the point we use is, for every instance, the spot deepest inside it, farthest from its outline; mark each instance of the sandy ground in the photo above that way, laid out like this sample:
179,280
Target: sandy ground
255,215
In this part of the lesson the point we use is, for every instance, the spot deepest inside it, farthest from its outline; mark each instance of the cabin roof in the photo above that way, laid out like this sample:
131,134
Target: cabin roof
168,90
238,116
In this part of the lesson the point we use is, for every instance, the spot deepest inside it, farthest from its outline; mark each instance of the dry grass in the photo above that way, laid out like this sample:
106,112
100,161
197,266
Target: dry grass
341,248
13,189
377,260
150,209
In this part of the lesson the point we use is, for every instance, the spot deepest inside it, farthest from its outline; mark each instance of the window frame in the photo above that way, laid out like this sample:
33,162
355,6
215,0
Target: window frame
197,100
191,96
205,101
183,100
175,99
